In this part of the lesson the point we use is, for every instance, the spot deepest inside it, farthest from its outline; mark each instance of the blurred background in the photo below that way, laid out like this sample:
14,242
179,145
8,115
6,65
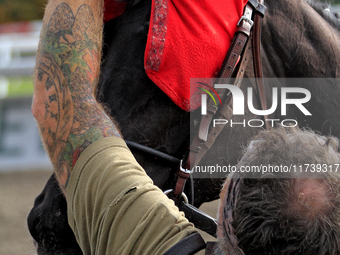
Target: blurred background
24,166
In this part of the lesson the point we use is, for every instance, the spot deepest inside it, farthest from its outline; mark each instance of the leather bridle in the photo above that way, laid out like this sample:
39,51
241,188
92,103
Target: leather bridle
245,46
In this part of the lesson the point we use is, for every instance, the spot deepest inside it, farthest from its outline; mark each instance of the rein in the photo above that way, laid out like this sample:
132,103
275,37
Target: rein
201,220
166,157
153,152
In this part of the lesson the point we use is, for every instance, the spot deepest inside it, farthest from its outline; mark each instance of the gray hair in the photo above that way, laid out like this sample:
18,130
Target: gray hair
287,214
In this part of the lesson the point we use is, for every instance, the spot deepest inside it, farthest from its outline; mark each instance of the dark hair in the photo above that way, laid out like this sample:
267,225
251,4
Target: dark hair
290,215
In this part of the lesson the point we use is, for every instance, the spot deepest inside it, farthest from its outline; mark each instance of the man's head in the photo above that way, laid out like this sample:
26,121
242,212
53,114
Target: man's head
292,212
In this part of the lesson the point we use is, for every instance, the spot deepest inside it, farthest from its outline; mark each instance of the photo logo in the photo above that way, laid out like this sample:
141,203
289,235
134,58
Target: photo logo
204,96
238,103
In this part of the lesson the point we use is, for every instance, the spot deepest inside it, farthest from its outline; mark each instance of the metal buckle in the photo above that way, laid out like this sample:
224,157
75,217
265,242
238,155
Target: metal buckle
185,198
259,7
245,18
184,170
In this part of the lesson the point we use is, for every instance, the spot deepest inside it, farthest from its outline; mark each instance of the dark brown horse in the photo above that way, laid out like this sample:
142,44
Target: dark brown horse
297,41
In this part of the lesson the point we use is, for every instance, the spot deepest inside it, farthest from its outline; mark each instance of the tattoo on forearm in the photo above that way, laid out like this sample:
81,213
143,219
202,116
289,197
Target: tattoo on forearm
67,70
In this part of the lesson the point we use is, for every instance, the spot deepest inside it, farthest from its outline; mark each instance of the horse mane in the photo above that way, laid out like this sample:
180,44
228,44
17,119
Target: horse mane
324,10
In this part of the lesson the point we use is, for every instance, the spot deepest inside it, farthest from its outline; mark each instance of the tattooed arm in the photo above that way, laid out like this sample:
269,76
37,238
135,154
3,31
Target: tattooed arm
67,69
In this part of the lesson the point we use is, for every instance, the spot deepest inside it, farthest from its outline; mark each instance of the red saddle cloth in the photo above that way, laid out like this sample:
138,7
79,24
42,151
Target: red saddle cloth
188,39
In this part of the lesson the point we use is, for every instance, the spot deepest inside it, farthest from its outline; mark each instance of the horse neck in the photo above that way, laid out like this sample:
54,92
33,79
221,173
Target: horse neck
298,42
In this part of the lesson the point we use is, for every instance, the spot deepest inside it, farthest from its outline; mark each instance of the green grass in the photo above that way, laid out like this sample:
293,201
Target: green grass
18,87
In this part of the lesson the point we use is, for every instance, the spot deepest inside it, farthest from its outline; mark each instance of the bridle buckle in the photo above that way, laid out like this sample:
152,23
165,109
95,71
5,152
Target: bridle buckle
245,18
184,170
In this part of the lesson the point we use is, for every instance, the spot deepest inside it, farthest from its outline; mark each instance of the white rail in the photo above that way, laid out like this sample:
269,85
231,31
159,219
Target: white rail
17,52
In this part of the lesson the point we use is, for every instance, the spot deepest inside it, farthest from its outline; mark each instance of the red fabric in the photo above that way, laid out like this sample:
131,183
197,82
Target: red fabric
188,39
113,9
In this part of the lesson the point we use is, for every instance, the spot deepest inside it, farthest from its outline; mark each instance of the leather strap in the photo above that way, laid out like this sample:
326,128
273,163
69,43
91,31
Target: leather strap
228,67
226,112
257,61
180,183
201,220
204,140
188,246
259,7
227,71
183,171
